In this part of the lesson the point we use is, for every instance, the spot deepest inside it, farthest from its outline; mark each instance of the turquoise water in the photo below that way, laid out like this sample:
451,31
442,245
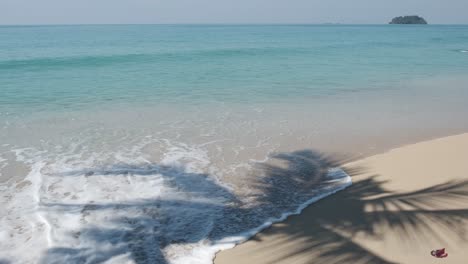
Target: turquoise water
45,68
166,143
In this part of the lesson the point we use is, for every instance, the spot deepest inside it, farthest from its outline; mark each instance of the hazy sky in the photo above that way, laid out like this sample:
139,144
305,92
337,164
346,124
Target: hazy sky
227,11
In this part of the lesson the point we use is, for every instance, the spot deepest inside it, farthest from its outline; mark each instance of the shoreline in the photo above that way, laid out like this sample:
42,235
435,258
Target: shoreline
297,227
163,144
346,163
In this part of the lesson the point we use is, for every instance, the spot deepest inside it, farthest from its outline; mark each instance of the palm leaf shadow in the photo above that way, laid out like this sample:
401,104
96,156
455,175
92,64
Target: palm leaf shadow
144,238
365,208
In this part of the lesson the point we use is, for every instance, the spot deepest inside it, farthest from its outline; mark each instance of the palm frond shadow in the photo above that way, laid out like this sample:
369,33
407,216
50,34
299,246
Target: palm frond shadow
365,208
167,222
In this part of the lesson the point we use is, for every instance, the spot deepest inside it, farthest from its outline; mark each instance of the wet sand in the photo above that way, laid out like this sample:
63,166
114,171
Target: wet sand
402,204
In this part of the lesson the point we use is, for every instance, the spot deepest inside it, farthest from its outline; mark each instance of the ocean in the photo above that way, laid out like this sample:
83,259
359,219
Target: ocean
168,143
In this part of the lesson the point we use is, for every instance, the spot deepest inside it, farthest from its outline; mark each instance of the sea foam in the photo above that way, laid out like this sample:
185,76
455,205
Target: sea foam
77,205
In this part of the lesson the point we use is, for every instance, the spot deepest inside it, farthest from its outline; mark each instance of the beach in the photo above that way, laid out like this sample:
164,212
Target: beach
402,204
169,143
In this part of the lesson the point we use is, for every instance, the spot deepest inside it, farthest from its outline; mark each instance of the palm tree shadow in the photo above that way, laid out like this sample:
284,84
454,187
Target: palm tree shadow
279,186
150,224
365,208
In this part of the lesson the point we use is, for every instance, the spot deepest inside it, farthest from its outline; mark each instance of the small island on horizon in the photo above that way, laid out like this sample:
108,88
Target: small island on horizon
405,20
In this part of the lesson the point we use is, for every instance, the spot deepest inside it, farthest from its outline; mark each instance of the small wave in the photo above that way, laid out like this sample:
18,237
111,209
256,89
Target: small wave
338,180
464,51
74,61
100,60
76,204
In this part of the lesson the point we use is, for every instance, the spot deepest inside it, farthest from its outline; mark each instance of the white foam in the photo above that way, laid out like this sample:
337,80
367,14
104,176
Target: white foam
3,164
204,252
21,221
69,196
77,204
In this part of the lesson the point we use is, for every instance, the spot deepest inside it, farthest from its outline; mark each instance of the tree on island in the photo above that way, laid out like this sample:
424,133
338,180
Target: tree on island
408,20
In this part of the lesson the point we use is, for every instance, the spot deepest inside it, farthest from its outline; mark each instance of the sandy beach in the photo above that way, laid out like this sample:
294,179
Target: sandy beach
402,204
167,143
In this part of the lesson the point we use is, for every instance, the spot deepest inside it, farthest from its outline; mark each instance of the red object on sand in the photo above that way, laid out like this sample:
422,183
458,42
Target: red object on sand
439,253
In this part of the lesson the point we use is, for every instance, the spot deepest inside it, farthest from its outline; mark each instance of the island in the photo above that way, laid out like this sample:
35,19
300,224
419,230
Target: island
408,20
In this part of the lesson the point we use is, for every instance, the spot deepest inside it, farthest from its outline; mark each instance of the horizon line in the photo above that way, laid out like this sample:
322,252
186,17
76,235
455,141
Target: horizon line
223,24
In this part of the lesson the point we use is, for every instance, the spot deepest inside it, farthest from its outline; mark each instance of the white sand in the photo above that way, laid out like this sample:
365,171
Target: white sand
403,204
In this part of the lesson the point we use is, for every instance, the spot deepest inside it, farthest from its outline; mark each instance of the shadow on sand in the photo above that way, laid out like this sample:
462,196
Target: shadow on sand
143,238
366,208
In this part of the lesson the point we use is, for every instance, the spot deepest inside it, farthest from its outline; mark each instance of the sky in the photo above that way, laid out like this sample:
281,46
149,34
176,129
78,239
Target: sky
228,11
